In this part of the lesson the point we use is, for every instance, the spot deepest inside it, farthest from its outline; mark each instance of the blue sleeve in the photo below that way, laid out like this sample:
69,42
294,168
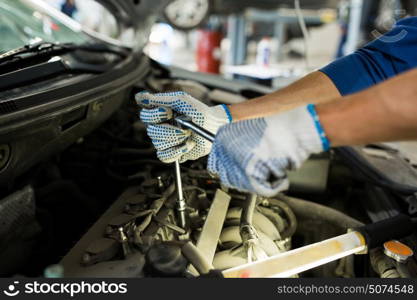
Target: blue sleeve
387,56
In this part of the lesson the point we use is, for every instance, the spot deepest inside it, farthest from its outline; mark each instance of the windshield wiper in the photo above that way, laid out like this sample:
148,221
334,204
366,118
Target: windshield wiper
22,50
41,48
42,60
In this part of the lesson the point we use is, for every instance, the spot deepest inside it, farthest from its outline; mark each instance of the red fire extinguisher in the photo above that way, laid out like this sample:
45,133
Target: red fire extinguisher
208,51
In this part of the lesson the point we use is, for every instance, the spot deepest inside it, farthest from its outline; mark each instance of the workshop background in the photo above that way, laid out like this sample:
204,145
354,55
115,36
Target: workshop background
83,193
270,42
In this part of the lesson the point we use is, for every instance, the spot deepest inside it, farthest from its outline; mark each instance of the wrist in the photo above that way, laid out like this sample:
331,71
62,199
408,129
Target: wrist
238,112
228,112
335,124
311,108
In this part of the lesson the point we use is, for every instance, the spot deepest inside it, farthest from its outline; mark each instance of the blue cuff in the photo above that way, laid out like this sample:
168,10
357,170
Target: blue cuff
229,115
324,140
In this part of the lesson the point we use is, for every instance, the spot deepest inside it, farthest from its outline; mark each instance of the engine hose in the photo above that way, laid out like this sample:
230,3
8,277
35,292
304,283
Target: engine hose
290,216
318,212
246,220
248,210
196,258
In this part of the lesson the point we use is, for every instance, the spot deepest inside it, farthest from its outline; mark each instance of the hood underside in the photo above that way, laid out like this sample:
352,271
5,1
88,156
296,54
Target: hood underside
138,15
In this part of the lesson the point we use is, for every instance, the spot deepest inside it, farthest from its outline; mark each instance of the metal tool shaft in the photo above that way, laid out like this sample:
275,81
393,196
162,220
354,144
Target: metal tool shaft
195,128
181,205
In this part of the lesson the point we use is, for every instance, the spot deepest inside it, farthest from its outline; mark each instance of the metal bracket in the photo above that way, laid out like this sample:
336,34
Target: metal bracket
412,204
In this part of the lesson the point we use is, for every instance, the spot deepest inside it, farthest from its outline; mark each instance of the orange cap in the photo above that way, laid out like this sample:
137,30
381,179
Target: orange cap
398,251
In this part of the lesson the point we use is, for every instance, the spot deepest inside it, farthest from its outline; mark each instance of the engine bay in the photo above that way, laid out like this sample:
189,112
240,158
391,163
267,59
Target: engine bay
144,222
66,212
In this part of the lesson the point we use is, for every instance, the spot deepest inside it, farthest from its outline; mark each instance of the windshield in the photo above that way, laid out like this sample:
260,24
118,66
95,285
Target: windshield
21,21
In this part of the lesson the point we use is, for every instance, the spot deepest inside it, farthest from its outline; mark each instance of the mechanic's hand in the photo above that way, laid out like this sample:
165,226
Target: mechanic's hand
255,155
171,142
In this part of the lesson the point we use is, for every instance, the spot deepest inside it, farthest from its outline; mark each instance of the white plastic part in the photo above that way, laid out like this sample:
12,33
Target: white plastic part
302,259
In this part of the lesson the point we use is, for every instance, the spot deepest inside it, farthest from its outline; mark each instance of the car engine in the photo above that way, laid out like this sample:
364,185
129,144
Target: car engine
140,234
107,207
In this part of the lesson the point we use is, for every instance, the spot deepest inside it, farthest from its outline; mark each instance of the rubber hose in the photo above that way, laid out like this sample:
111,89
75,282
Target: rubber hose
311,210
196,258
292,220
248,210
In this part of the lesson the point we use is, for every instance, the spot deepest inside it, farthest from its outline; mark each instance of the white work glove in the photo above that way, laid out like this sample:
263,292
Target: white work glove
171,142
255,155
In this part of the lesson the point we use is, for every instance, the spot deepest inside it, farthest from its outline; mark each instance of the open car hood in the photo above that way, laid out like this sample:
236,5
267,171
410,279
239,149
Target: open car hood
137,15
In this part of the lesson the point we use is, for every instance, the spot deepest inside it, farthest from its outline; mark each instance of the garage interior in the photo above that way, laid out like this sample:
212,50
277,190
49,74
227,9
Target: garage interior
83,193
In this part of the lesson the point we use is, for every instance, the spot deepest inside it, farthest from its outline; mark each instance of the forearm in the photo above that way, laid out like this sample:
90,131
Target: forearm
386,112
314,88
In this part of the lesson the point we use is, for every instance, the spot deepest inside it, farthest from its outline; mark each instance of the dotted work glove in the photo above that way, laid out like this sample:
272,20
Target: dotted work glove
255,155
171,142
